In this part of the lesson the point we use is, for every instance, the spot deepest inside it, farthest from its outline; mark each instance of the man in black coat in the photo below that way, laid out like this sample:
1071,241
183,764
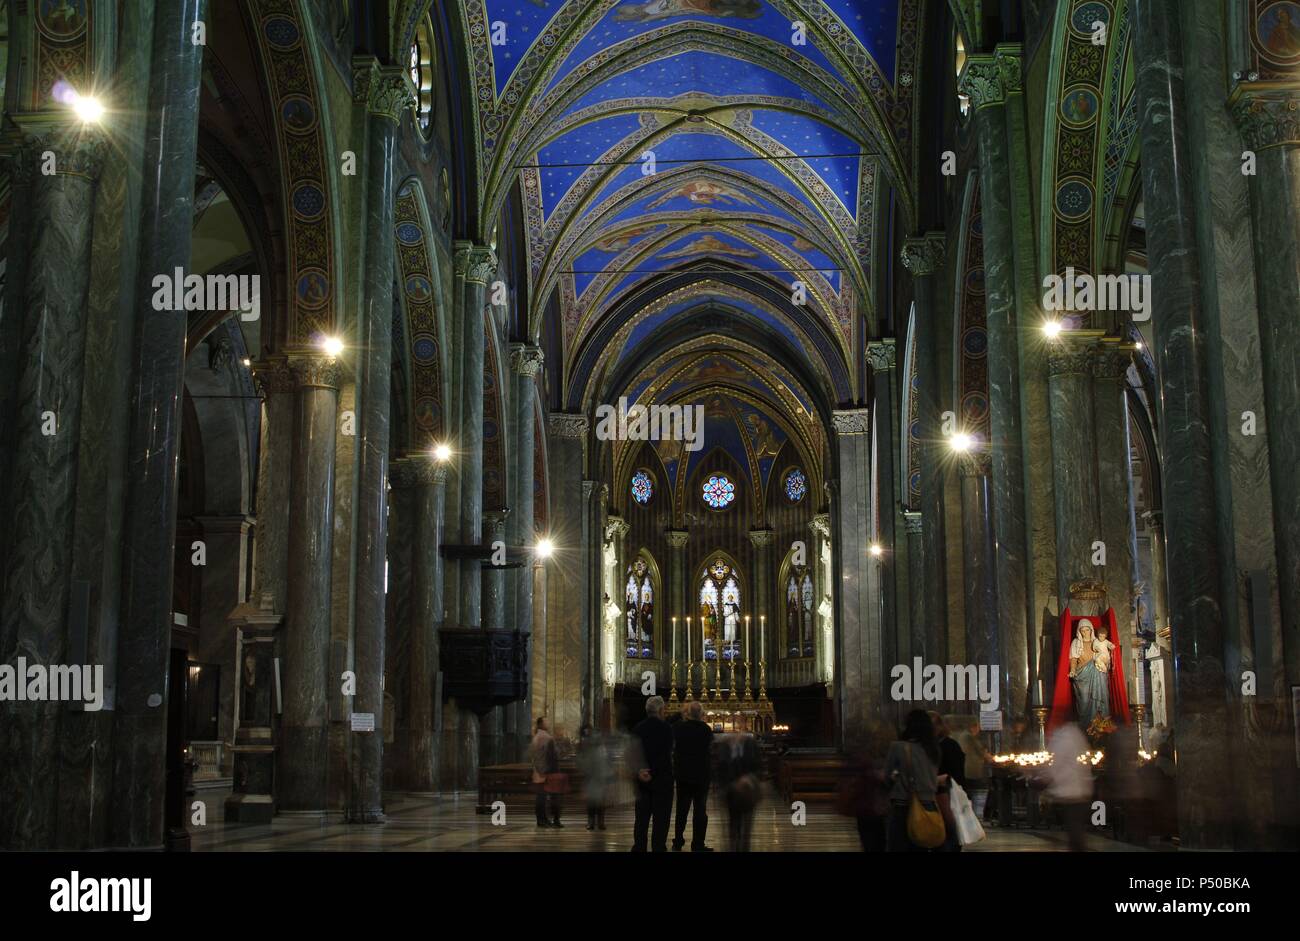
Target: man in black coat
692,758
654,766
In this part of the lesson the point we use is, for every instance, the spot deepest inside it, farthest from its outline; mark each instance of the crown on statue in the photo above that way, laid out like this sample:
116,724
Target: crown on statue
1088,590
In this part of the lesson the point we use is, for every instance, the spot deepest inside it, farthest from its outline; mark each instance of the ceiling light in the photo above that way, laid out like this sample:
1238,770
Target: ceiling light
961,442
441,453
332,346
88,108
545,549
1052,329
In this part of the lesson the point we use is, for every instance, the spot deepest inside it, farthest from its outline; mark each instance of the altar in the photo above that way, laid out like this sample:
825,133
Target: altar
731,700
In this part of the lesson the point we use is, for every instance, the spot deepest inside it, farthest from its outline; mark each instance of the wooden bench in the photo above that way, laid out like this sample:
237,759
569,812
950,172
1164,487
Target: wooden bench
811,778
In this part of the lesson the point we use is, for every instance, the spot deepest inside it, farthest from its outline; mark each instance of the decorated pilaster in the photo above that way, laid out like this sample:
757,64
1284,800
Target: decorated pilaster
923,257
882,357
860,664
386,94
1205,793
566,575
42,477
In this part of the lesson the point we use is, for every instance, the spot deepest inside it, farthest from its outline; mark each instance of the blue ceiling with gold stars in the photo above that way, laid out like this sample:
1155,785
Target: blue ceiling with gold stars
650,137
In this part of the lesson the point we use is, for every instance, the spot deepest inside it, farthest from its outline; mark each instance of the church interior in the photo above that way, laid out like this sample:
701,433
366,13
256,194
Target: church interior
384,382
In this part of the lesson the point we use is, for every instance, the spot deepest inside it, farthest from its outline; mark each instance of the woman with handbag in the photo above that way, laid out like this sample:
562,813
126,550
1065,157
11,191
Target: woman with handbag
915,824
546,775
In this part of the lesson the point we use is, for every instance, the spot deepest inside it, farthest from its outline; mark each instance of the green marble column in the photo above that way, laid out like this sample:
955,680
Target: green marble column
1114,475
987,81
1074,450
525,364
385,94
883,361
860,669
1270,124
41,498
923,257
1205,791
914,527
983,638
567,572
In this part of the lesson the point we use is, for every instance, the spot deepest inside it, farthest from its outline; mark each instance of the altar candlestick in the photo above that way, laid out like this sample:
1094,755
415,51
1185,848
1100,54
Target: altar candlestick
746,636
674,641
762,633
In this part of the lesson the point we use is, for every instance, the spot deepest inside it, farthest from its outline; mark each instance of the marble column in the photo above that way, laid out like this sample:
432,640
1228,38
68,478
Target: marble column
912,523
428,481
1205,793
593,530
1270,125
302,761
980,555
923,257
476,266
493,725
764,578
881,354
986,79
1114,475
525,363
41,499
860,666
566,577
158,378
679,600
1074,459
385,94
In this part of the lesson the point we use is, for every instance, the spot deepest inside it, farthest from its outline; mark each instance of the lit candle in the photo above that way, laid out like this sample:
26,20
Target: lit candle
762,633
674,639
746,638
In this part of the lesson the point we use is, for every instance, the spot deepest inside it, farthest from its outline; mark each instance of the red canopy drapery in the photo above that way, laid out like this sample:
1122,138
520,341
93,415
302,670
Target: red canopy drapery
1062,696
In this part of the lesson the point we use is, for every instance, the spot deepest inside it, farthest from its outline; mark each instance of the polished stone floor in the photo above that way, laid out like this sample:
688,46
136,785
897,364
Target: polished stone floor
445,824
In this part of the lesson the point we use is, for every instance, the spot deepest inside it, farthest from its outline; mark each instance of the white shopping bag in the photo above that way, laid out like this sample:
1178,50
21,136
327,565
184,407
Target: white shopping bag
969,829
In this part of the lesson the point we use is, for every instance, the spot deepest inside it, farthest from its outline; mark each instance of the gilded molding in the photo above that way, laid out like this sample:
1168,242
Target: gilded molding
1268,121
526,360
881,354
924,255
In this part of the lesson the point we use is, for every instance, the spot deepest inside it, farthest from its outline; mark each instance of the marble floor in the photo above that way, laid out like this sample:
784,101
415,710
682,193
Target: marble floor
449,824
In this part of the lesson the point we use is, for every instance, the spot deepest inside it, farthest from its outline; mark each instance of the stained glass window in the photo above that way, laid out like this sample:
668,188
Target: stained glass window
719,491
639,602
643,487
720,617
796,485
420,68
799,614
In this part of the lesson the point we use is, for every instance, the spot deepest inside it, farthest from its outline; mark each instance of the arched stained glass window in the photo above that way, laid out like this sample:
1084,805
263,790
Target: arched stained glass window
420,68
643,487
799,614
719,491
796,485
639,603
720,619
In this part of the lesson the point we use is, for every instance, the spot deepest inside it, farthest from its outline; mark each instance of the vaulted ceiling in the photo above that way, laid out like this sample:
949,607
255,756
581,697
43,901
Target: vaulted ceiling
680,155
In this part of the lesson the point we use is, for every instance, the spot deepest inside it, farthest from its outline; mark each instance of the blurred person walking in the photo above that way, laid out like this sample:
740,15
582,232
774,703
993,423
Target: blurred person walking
978,760
546,775
864,792
740,783
911,771
952,766
1069,781
597,775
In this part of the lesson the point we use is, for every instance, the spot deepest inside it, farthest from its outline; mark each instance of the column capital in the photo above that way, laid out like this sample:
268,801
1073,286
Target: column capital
677,538
882,354
476,263
567,424
316,370
912,522
494,521
273,375
415,470
983,82
1009,56
616,528
38,142
525,359
761,538
923,254
820,525
386,91
1112,361
976,463
1267,118
853,421
1070,359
